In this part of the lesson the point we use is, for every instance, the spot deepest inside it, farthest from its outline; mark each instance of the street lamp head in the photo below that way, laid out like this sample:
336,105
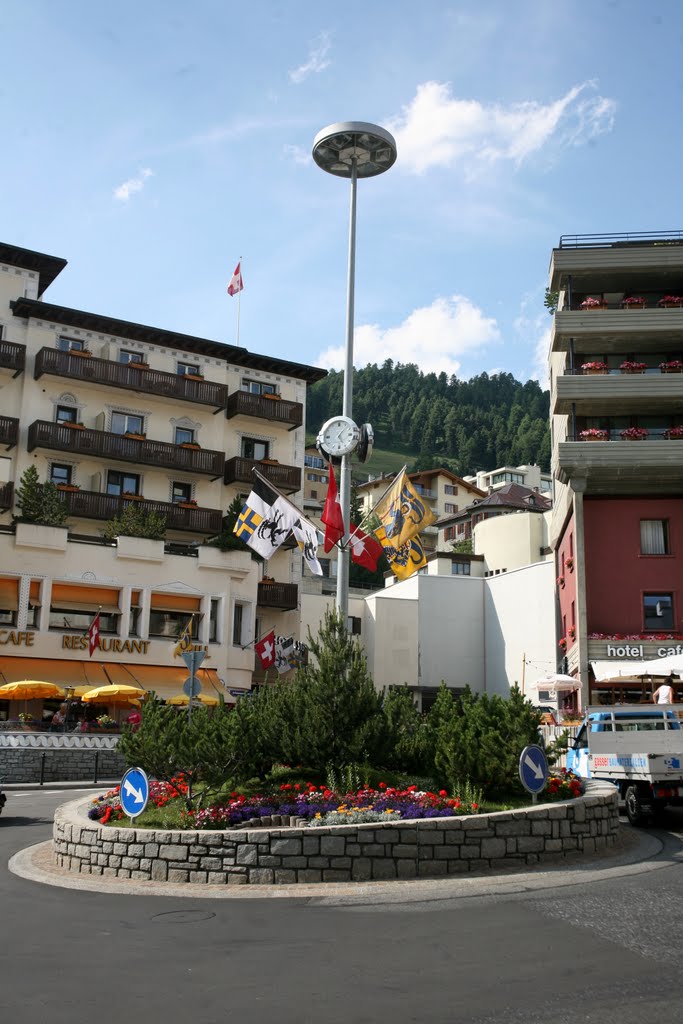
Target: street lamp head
337,147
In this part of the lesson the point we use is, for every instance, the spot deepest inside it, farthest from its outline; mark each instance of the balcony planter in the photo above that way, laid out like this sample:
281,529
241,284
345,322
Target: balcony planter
68,487
633,302
187,504
631,367
674,434
191,445
672,366
273,398
82,353
129,496
634,434
591,303
192,376
138,365
269,462
670,302
135,437
236,564
594,367
593,434
32,535
140,549
73,426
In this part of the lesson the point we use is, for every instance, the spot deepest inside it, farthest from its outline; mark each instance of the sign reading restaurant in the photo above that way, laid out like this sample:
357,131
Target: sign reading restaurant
70,642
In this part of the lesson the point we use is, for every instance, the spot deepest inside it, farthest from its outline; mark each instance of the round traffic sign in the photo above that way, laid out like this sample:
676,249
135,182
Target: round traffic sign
134,792
533,768
192,687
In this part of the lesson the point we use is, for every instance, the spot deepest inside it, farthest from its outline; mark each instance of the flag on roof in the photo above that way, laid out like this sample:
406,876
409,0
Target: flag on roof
332,514
236,283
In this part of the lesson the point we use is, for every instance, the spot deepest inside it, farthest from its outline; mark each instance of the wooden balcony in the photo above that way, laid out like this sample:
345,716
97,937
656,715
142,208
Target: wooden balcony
285,478
120,375
266,407
9,431
118,447
94,505
284,596
12,357
6,496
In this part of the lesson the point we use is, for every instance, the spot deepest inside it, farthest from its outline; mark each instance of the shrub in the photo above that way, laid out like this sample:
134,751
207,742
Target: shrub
136,521
41,504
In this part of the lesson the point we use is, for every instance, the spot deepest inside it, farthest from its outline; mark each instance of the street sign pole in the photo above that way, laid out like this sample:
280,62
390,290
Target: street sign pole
193,679
193,660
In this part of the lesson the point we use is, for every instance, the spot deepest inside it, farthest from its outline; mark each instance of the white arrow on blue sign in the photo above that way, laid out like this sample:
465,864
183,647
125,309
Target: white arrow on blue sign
134,792
533,768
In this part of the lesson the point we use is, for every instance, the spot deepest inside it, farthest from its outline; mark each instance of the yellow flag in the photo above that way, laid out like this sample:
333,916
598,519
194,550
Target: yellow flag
405,560
185,642
402,512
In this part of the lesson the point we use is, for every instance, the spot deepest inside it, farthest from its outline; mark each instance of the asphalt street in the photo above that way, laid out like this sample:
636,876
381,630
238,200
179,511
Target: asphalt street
602,949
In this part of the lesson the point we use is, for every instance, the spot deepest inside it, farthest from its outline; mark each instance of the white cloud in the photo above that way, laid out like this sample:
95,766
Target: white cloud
432,337
439,130
128,188
532,325
316,61
298,155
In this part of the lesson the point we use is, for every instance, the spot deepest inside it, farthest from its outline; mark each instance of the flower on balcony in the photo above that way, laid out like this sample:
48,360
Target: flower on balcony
634,300
563,643
671,300
631,366
594,433
595,365
671,364
569,564
560,581
634,434
571,632
591,303
673,433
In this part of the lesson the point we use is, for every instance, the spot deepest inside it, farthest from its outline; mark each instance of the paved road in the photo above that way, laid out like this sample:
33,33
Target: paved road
607,951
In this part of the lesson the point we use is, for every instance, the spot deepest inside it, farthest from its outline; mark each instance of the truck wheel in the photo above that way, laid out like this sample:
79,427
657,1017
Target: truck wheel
637,812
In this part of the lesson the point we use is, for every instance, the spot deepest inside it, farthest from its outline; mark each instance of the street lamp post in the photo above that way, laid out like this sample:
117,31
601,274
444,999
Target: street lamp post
351,149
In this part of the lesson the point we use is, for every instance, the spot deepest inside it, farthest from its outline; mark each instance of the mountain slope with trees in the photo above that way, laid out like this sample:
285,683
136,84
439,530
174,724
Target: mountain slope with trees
437,420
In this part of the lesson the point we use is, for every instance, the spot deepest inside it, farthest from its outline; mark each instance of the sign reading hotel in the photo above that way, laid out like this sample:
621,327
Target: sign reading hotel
638,651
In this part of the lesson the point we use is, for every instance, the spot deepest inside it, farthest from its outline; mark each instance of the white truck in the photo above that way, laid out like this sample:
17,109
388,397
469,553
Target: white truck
639,748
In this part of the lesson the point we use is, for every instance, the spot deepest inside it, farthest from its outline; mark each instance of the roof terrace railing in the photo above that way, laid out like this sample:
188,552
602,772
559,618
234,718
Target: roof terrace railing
623,238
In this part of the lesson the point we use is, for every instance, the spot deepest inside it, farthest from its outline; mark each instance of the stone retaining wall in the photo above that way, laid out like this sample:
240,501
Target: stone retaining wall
427,848
58,757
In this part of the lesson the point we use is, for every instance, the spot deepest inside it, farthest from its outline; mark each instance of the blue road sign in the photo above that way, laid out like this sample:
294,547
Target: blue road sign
193,659
134,792
533,768
192,687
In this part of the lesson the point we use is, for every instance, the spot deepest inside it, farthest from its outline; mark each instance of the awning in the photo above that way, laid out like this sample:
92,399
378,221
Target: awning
614,671
165,680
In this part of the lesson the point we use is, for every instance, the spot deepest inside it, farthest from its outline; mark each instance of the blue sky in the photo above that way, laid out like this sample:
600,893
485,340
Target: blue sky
154,144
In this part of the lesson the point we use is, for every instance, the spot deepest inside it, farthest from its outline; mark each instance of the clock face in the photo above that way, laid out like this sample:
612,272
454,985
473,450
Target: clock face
339,436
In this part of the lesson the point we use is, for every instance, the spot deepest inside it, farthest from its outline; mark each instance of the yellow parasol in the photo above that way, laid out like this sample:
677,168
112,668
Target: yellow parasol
30,689
182,701
114,694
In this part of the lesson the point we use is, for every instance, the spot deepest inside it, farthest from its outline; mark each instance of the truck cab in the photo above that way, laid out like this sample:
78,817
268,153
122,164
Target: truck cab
637,748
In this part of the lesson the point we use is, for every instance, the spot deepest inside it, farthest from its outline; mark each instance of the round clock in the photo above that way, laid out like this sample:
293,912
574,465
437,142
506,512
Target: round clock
367,439
338,436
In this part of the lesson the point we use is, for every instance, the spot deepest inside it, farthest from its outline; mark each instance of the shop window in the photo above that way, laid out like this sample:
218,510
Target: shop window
654,537
59,473
253,449
122,483
127,423
658,611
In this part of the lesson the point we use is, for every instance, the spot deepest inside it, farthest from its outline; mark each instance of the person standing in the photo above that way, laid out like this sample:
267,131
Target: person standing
664,694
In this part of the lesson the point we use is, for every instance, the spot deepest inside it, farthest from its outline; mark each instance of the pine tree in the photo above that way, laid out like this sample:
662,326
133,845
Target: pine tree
29,496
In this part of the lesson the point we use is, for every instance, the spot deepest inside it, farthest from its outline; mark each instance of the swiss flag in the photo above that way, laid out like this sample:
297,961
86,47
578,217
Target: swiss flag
236,284
94,635
332,514
265,649
365,550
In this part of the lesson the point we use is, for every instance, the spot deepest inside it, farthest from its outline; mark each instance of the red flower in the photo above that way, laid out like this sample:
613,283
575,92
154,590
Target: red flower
442,792
475,807
382,785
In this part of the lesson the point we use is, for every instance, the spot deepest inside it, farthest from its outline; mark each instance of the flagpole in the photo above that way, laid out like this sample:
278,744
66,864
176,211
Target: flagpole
368,514
239,299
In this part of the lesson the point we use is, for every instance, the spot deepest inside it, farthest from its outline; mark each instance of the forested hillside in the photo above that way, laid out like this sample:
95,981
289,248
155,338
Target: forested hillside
437,420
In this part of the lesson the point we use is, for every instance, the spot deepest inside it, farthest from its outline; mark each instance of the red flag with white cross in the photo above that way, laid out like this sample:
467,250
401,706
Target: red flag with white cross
94,635
265,649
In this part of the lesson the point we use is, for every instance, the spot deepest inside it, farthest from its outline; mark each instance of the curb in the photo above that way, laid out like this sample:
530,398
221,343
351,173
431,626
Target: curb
637,852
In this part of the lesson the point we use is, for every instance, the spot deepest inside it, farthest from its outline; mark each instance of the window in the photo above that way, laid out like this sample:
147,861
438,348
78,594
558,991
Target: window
253,449
60,474
180,492
184,435
460,568
79,619
354,624
314,494
127,423
450,489
170,624
449,533
126,356
312,476
66,414
654,537
313,462
70,345
450,507
122,483
213,620
238,623
658,611
192,368
257,387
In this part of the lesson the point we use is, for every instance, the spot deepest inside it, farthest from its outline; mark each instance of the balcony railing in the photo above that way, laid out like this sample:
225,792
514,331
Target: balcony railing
9,431
266,407
94,505
101,444
12,357
120,375
284,596
285,478
623,238
6,496
614,434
